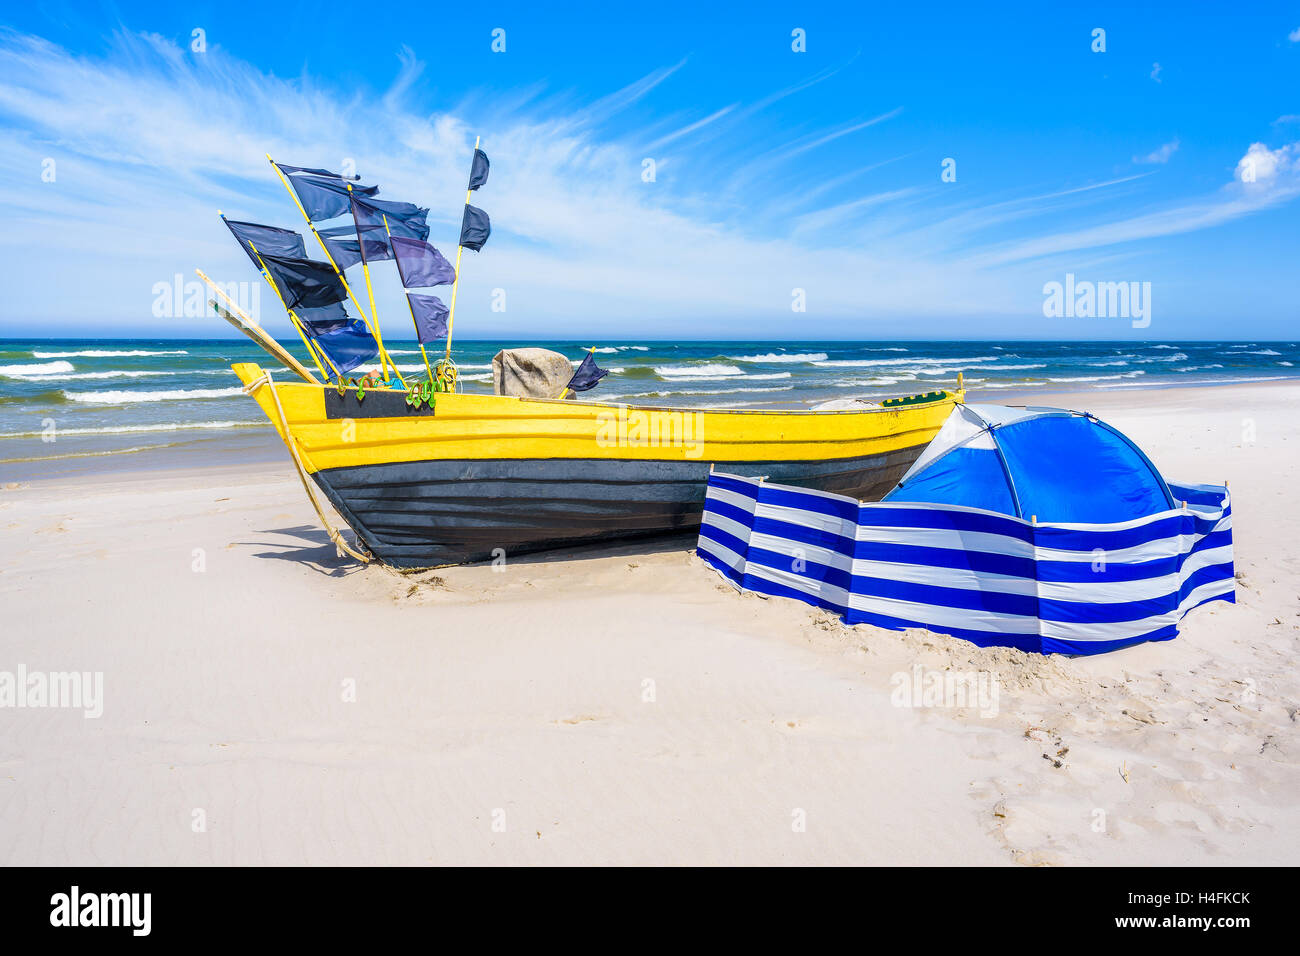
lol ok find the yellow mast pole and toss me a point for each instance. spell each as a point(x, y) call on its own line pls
point(455, 283)
point(384, 357)
point(370, 291)
point(409, 307)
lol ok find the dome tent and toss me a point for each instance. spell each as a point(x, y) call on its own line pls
point(1038, 528)
point(1044, 464)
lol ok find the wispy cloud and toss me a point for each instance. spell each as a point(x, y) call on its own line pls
point(149, 140)
point(1160, 155)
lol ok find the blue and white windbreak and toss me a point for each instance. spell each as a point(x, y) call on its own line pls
point(988, 578)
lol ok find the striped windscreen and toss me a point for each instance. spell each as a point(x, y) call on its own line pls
point(988, 578)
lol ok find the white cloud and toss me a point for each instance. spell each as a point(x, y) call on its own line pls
point(1276, 180)
point(1155, 72)
point(1294, 35)
point(1159, 156)
point(151, 140)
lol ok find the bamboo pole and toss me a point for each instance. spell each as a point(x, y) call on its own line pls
point(384, 356)
point(241, 321)
point(455, 283)
point(409, 307)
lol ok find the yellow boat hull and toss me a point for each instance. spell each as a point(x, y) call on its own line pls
point(484, 476)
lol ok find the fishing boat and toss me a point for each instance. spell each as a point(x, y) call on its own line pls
point(427, 475)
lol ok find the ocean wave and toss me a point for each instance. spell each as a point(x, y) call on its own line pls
point(915, 360)
point(1207, 381)
point(1176, 357)
point(1121, 362)
point(1096, 378)
point(122, 373)
point(720, 391)
point(124, 429)
point(1164, 346)
point(1009, 368)
point(708, 370)
point(776, 357)
point(872, 382)
point(27, 371)
point(1262, 352)
point(131, 398)
point(105, 353)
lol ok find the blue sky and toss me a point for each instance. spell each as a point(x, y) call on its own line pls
point(775, 170)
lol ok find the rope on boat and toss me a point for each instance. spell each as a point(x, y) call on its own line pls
point(340, 545)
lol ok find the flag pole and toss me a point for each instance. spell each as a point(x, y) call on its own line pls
point(384, 356)
point(370, 291)
point(455, 283)
point(293, 318)
point(410, 308)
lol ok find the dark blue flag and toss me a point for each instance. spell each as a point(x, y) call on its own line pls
point(379, 217)
point(290, 170)
point(420, 264)
point(322, 319)
point(324, 197)
point(587, 374)
point(478, 172)
point(269, 240)
point(346, 248)
point(430, 317)
point(348, 346)
point(475, 227)
point(305, 283)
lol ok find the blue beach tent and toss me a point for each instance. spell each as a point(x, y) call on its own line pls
point(1044, 463)
point(1035, 528)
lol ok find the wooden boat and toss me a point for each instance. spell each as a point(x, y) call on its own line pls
point(480, 476)
point(435, 476)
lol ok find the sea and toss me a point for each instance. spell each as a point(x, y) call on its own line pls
point(69, 406)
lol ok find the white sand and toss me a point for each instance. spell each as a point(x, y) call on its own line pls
point(517, 696)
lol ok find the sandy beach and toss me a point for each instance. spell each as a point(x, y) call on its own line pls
point(266, 702)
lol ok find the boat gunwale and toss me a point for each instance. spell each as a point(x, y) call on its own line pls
point(946, 396)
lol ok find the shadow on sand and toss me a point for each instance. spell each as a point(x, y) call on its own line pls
point(314, 548)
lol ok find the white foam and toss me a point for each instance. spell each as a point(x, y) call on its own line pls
point(27, 371)
point(698, 371)
point(776, 357)
point(78, 376)
point(915, 360)
point(132, 398)
point(121, 429)
point(105, 353)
